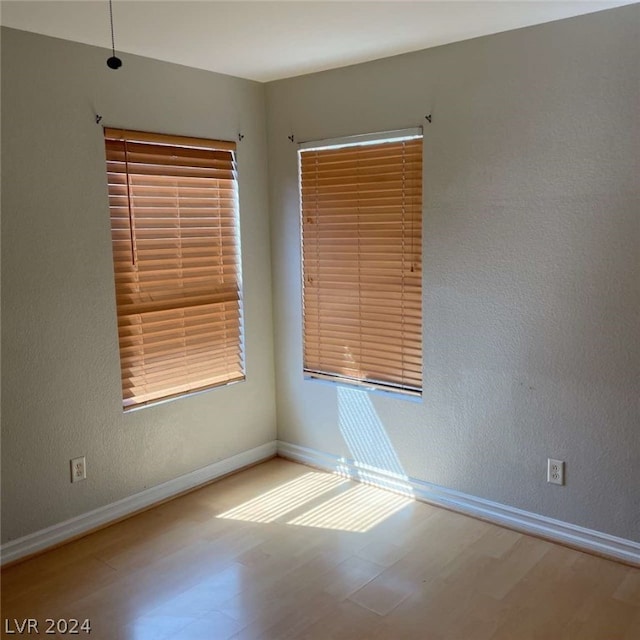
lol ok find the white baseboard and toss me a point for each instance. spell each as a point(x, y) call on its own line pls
point(579, 537)
point(58, 533)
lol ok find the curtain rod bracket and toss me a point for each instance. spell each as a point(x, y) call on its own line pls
point(240, 137)
point(291, 138)
point(428, 118)
point(98, 118)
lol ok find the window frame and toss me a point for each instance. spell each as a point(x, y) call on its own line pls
point(334, 378)
point(214, 218)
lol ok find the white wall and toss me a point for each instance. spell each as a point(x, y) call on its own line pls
point(60, 370)
point(531, 266)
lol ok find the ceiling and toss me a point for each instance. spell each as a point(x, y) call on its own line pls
point(267, 40)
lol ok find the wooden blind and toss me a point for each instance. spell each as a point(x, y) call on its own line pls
point(174, 223)
point(362, 263)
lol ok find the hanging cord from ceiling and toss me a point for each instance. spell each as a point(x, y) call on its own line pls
point(113, 62)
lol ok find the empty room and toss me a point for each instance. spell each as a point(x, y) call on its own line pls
point(320, 320)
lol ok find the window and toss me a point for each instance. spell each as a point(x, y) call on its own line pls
point(361, 208)
point(176, 252)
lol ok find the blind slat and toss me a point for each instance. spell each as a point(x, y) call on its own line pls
point(136, 397)
point(164, 139)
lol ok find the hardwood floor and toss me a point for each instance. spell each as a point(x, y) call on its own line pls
point(282, 551)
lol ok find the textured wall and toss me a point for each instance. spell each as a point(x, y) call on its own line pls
point(60, 368)
point(531, 266)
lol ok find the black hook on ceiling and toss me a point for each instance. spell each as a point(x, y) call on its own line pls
point(113, 62)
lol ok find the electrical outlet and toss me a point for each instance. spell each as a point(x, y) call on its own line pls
point(78, 469)
point(555, 471)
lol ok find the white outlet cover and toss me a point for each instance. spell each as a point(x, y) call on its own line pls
point(78, 469)
point(555, 471)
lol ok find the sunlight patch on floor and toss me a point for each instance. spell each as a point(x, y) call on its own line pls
point(358, 509)
point(274, 504)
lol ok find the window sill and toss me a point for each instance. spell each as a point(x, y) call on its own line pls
point(179, 396)
point(364, 386)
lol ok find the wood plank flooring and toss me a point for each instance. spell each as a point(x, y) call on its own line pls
point(282, 551)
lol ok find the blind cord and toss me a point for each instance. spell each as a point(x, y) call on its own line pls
point(132, 232)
